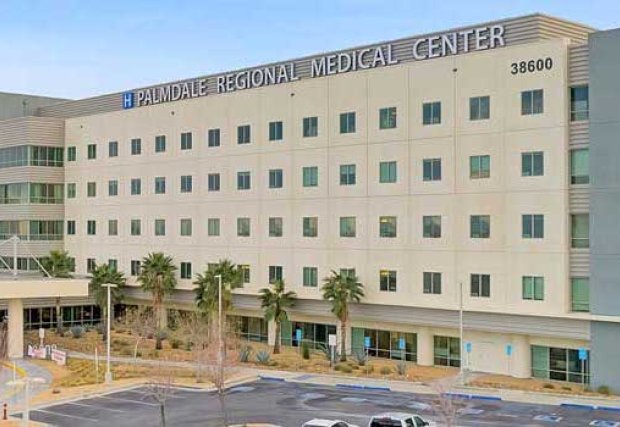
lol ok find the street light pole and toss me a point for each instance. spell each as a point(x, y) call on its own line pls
point(219, 318)
point(108, 373)
point(462, 344)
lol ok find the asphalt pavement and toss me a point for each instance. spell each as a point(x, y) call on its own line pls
point(291, 404)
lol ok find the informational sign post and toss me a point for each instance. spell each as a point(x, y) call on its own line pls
point(332, 341)
point(583, 357)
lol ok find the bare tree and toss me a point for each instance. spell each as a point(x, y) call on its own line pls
point(445, 404)
point(194, 329)
point(142, 324)
point(161, 386)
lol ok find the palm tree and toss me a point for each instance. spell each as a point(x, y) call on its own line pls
point(157, 276)
point(275, 303)
point(207, 289)
point(58, 264)
point(105, 274)
point(341, 290)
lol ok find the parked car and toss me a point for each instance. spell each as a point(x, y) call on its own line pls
point(318, 422)
point(398, 419)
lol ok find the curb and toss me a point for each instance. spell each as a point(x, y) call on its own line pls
point(271, 378)
point(363, 387)
point(9, 365)
point(590, 407)
point(472, 396)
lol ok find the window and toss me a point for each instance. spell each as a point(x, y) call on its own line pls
point(91, 189)
point(479, 108)
point(186, 184)
point(310, 176)
point(113, 187)
point(213, 226)
point(243, 181)
point(71, 154)
point(71, 227)
point(533, 226)
point(431, 226)
point(186, 227)
point(579, 166)
point(91, 227)
point(481, 285)
point(533, 288)
point(243, 227)
point(160, 227)
point(580, 294)
point(532, 102)
point(92, 151)
point(387, 280)
point(310, 277)
point(310, 127)
point(243, 134)
point(91, 265)
point(385, 344)
point(387, 226)
point(136, 227)
point(186, 270)
point(113, 264)
point(432, 283)
point(160, 185)
point(560, 364)
point(136, 146)
point(275, 178)
point(160, 144)
point(213, 138)
point(245, 273)
point(533, 163)
point(112, 227)
point(580, 230)
point(347, 226)
point(347, 174)
point(135, 267)
point(431, 113)
point(387, 172)
point(275, 131)
point(213, 182)
point(479, 167)
point(136, 186)
point(275, 227)
point(480, 226)
point(71, 190)
point(579, 103)
point(387, 118)
point(431, 170)
point(347, 122)
point(310, 226)
point(275, 273)
point(113, 149)
point(447, 351)
point(348, 272)
point(186, 141)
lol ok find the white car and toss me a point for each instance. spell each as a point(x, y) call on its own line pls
point(318, 422)
point(398, 419)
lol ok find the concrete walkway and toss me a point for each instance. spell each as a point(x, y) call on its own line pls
point(612, 402)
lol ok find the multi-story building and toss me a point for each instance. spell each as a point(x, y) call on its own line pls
point(444, 170)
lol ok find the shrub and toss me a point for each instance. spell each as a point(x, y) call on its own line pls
point(77, 331)
point(603, 389)
point(244, 353)
point(360, 357)
point(385, 370)
point(161, 334)
point(343, 367)
point(548, 386)
point(188, 346)
point(401, 368)
point(305, 351)
point(263, 357)
point(100, 329)
point(370, 368)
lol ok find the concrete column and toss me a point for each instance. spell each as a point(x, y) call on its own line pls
point(426, 347)
point(521, 359)
point(16, 329)
point(271, 333)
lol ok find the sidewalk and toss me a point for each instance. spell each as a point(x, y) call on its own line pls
point(23, 368)
point(519, 396)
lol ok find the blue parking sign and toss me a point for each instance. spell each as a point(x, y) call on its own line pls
point(468, 347)
point(401, 344)
point(367, 342)
point(508, 349)
point(583, 354)
point(298, 334)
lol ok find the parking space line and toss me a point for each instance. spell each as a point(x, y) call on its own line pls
point(86, 405)
point(60, 414)
point(128, 400)
point(146, 393)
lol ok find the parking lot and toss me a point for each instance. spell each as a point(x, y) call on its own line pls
point(291, 404)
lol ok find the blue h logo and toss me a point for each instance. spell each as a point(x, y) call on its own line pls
point(127, 100)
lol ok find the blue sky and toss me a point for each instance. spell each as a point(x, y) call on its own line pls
point(81, 48)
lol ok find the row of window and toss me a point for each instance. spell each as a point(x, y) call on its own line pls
point(32, 230)
point(532, 164)
point(532, 102)
point(30, 192)
point(31, 155)
point(532, 227)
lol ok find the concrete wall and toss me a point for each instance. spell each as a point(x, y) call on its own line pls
point(605, 203)
point(18, 105)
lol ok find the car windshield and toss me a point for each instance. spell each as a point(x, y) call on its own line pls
point(385, 422)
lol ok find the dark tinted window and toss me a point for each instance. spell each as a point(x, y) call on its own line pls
point(385, 422)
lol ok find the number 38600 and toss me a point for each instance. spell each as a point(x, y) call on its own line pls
point(531, 66)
